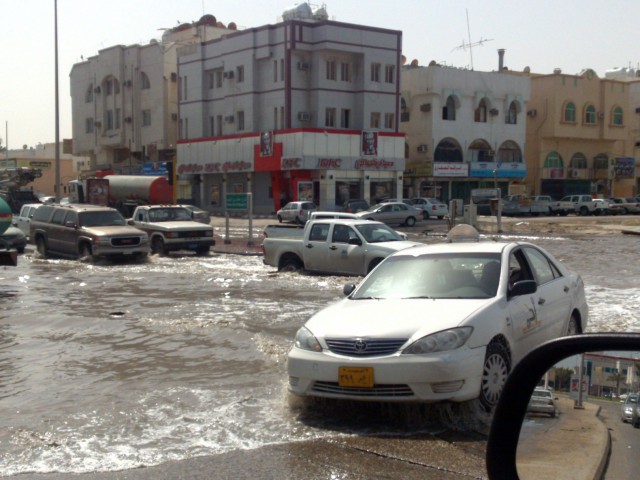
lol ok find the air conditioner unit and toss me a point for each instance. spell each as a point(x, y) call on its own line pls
point(229, 119)
point(423, 148)
point(573, 173)
point(128, 119)
point(600, 114)
point(491, 153)
point(494, 111)
point(304, 66)
point(174, 116)
point(425, 107)
point(532, 113)
point(97, 89)
point(228, 74)
point(128, 83)
point(304, 116)
point(174, 77)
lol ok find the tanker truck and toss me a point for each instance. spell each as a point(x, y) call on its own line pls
point(124, 192)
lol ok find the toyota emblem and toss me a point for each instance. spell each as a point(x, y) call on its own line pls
point(360, 345)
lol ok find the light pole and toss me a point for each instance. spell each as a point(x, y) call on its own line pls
point(57, 141)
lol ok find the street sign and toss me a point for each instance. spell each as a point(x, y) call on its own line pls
point(237, 201)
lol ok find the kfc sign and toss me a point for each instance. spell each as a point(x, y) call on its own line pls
point(291, 163)
point(329, 163)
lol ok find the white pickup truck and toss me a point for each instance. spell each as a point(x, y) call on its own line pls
point(171, 228)
point(578, 204)
point(347, 247)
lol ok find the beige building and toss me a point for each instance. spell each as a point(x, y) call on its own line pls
point(579, 136)
point(125, 99)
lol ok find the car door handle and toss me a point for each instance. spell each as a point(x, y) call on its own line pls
point(566, 289)
point(333, 247)
point(309, 245)
point(541, 301)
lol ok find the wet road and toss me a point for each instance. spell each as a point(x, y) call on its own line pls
point(109, 367)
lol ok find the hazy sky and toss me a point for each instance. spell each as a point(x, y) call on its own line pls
point(543, 34)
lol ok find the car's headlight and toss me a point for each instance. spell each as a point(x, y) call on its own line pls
point(306, 341)
point(102, 240)
point(440, 342)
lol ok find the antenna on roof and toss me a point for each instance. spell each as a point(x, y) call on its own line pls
point(470, 45)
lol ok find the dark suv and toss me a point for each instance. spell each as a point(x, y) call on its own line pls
point(85, 231)
point(354, 205)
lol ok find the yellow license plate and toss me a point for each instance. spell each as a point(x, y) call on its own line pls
point(355, 377)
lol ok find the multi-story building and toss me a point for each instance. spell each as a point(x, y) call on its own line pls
point(578, 135)
point(303, 109)
point(124, 100)
point(464, 130)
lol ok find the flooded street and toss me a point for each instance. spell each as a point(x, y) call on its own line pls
point(108, 367)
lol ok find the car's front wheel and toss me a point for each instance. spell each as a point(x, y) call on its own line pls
point(41, 246)
point(85, 252)
point(494, 374)
point(157, 246)
point(279, 219)
point(574, 326)
point(410, 221)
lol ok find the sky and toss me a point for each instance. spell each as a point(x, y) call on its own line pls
point(543, 34)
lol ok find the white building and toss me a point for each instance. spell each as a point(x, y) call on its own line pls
point(465, 130)
point(124, 100)
point(304, 109)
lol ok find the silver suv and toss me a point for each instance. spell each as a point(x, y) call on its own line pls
point(86, 231)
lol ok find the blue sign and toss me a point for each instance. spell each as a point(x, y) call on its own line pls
point(498, 170)
point(155, 169)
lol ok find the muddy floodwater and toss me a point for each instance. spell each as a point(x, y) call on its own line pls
point(113, 366)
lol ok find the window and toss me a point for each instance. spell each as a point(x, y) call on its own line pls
point(212, 125)
point(617, 118)
point(211, 80)
point(389, 120)
point(331, 70)
point(108, 119)
point(512, 114)
point(281, 117)
point(375, 72)
point(330, 117)
point(601, 162)
point(146, 118)
point(449, 110)
point(569, 113)
point(345, 117)
point(218, 125)
point(108, 87)
point(480, 114)
point(240, 73)
point(389, 73)
point(116, 119)
point(275, 70)
point(219, 79)
point(88, 125)
point(144, 81)
point(275, 118)
point(578, 161)
point(345, 72)
point(240, 120)
point(375, 120)
point(590, 115)
point(282, 69)
point(543, 269)
point(88, 97)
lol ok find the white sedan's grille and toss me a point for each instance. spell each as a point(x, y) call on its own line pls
point(364, 347)
point(380, 391)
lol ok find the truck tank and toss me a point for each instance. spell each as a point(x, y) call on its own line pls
point(153, 190)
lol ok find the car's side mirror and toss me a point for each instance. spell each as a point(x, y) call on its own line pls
point(510, 411)
point(355, 241)
point(523, 287)
point(70, 224)
point(348, 289)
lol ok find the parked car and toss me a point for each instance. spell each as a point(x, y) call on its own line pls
point(13, 237)
point(540, 204)
point(354, 205)
point(635, 415)
point(23, 219)
point(427, 324)
point(626, 410)
point(198, 214)
point(392, 213)
point(431, 207)
point(297, 212)
point(542, 401)
point(625, 205)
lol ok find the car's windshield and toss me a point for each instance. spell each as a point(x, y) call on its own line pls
point(375, 233)
point(170, 214)
point(459, 275)
point(632, 399)
point(542, 393)
point(101, 219)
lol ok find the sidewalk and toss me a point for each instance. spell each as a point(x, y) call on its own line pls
point(237, 246)
point(577, 446)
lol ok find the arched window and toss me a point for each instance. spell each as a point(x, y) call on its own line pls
point(553, 160)
point(448, 150)
point(590, 115)
point(449, 110)
point(617, 117)
point(480, 151)
point(509, 152)
point(480, 114)
point(578, 161)
point(512, 114)
point(569, 112)
point(601, 162)
point(88, 97)
point(144, 81)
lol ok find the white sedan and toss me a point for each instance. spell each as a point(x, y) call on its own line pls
point(437, 323)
